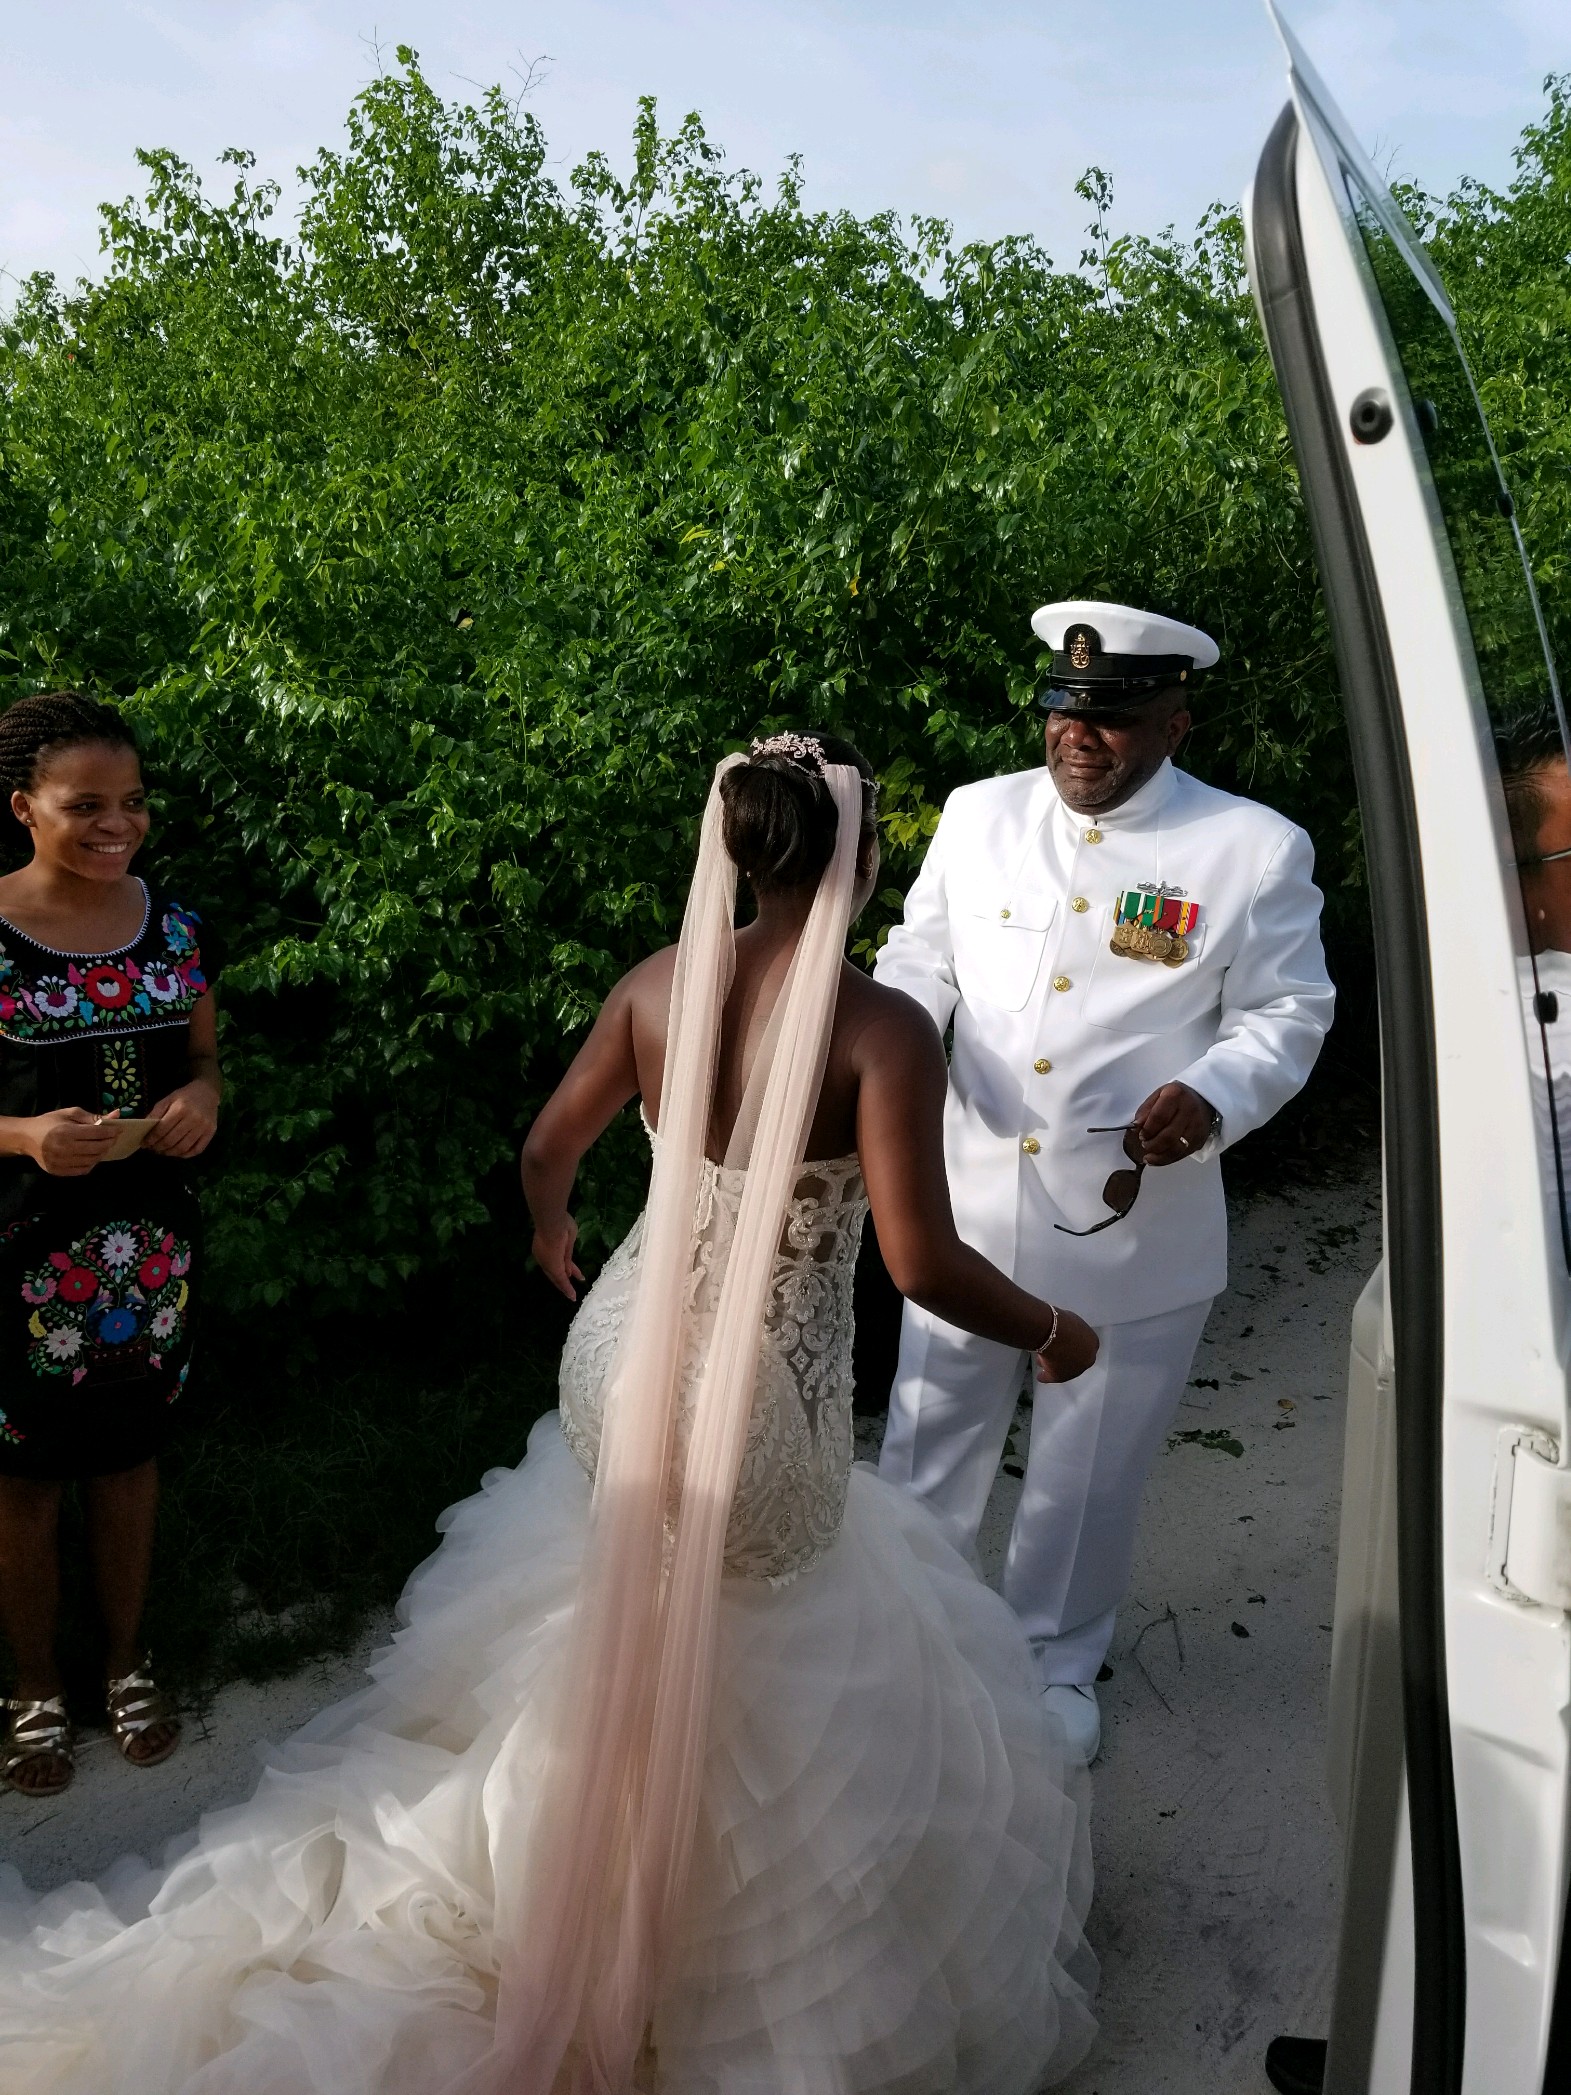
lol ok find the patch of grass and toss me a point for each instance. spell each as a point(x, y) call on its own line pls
point(1217, 1439)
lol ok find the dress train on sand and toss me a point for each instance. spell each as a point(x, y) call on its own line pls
point(892, 1862)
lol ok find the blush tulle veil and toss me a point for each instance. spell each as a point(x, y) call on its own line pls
point(580, 1949)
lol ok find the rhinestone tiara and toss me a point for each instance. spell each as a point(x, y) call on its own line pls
point(802, 749)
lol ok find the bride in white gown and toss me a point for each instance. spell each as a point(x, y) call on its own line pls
point(701, 1762)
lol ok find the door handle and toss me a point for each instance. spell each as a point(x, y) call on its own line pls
point(1530, 1519)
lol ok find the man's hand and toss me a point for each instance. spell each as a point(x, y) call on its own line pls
point(184, 1122)
point(1174, 1122)
point(553, 1250)
point(68, 1143)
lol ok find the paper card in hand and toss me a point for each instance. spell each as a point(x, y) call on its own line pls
point(129, 1136)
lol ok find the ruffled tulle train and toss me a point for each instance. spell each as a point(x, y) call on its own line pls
point(891, 1870)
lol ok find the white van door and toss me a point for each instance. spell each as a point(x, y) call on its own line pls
point(1453, 1664)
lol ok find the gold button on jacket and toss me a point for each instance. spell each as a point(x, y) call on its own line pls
point(1093, 836)
point(1080, 905)
point(1030, 1145)
point(1041, 1065)
point(1062, 982)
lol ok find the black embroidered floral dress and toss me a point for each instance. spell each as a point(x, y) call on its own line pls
point(97, 1274)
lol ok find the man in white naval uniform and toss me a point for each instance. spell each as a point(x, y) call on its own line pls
point(1131, 962)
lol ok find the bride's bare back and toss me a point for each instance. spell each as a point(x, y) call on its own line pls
point(761, 964)
point(882, 1097)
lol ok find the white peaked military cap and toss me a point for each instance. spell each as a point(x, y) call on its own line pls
point(1107, 657)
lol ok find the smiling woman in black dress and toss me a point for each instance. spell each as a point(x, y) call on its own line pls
point(105, 1015)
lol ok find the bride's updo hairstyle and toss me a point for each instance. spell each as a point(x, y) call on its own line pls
point(780, 819)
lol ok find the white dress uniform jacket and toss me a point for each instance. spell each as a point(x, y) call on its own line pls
point(1006, 934)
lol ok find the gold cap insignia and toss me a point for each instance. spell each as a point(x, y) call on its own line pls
point(1079, 649)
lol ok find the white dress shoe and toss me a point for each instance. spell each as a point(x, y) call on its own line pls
point(1076, 1709)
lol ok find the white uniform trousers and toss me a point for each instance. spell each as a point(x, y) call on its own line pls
point(1093, 1441)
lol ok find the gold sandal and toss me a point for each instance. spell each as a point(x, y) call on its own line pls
point(136, 1704)
point(36, 1731)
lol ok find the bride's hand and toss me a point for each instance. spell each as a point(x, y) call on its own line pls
point(1074, 1349)
point(553, 1250)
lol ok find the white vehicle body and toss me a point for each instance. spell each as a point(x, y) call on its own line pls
point(1451, 1672)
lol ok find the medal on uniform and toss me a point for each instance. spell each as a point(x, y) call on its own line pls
point(1153, 923)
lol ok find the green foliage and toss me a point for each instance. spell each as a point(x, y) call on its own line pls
point(441, 552)
point(1506, 260)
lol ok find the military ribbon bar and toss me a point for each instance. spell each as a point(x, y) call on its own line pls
point(1157, 911)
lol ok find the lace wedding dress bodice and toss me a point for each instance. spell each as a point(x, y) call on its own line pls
point(791, 1493)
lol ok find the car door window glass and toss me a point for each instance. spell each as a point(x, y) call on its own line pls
point(1500, 604)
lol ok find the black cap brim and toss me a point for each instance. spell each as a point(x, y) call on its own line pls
point(1127, 695)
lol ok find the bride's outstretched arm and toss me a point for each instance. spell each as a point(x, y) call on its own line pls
point(600, 1080)
point(900, 1140)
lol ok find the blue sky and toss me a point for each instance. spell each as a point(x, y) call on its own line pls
point(982, 113)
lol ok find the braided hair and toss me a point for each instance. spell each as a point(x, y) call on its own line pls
point(780, 818)
point(34, 729)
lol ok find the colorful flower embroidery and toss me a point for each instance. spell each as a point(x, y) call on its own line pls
point(116, 1287)
point(163, 984)
point(179, 928)
point(108, 986)
point(120, 1073)
point(102, 996)
point(51, 997)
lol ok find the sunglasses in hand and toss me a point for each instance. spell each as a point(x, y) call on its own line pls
point(1122, 1188)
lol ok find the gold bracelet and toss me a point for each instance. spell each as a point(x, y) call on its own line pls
point(1046, 1344)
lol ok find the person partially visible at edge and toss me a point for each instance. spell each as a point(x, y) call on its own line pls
point(105, 1017)
point(1131, 962)
point(1537, 785)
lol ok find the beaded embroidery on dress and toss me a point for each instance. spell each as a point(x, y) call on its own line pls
point(791, 1494)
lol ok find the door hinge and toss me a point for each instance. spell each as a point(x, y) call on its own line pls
point(1530, 1521)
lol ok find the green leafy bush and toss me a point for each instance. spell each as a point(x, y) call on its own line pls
point(440, 552)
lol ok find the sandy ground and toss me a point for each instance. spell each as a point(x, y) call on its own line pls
point(113, 1809)
point(1215, 1854)
point(1216, 1857)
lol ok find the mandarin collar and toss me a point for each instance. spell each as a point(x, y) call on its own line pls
point(1134, 813)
